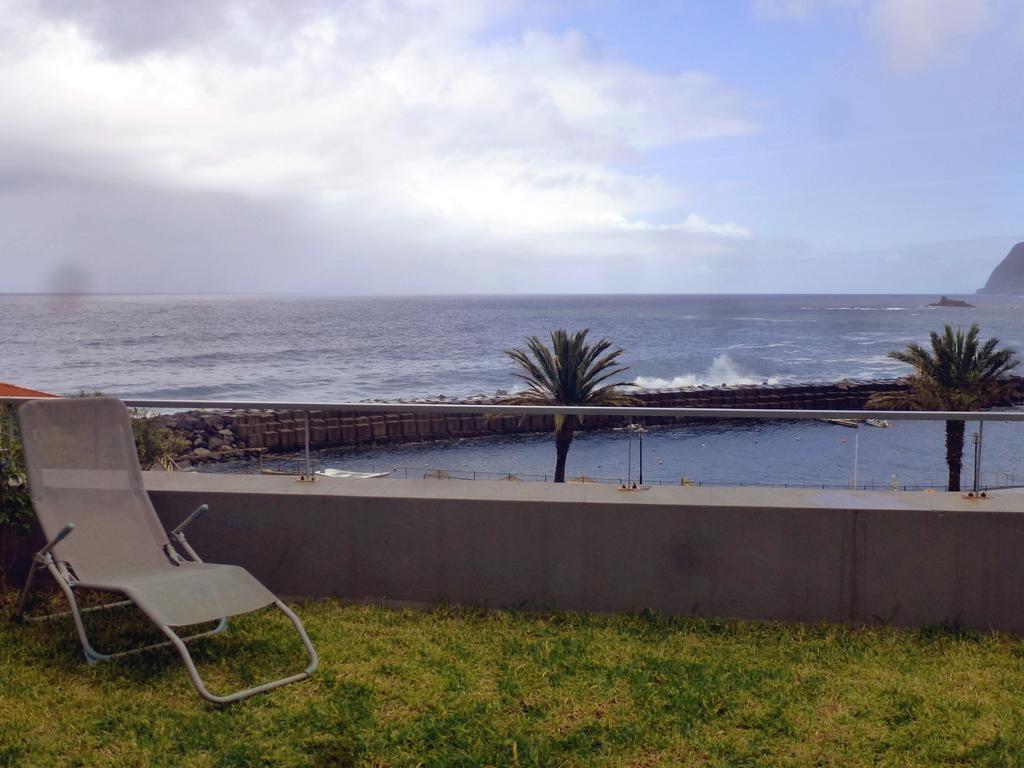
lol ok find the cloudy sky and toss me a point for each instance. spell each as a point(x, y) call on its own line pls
point(409, 146)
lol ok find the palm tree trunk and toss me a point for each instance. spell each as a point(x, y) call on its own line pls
point(563, 439)
point(954, 452)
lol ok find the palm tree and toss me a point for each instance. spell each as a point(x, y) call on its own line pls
point(569, 372)
point(959, 373)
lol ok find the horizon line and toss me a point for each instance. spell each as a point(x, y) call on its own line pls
point(481, 294)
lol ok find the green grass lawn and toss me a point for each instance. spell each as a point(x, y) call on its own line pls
point(467, 688)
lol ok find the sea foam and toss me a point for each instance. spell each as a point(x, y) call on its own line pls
point(723, 370)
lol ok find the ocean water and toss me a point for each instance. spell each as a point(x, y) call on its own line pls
point(336, 349)
point(355, 348)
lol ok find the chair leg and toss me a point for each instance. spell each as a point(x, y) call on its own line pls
point(90, 609)
point(19, 616)
point(19, 613)
point(92, 656)
point(222, 626)
point(200, 686)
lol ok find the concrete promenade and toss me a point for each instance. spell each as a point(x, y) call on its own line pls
point(904, 558)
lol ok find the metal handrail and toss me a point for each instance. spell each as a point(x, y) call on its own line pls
point(568, 410)
point(554, 410)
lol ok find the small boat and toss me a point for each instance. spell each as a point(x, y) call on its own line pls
point(880, 423)
point(844, 422)
point(338, 474)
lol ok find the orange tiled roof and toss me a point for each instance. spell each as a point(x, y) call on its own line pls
point(10, 390)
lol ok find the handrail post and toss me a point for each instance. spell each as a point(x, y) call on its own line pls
point(981, 446)
point(978, 436)
point(308, 476)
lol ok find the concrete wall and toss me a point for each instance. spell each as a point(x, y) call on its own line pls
point(796, 555)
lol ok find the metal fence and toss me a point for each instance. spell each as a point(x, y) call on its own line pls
point(295, 465)
point(305, 465)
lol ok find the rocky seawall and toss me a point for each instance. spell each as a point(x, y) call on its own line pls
point(222, 435)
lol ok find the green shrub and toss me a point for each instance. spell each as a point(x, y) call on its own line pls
point(15, 505)
point(154, 441)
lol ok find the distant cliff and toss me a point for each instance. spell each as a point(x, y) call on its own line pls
point(1008, 277)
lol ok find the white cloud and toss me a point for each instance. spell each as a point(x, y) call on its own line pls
point(917, 33)
point(694, 224)
point(914, 33)
point(394, 114)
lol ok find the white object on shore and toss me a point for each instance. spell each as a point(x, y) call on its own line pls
point(843, 422)
point(345, 473)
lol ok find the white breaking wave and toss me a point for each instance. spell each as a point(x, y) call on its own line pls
point(771, 319)
point(859, 309)
point(723, 370)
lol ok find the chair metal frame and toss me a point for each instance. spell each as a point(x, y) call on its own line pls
point(66, 580)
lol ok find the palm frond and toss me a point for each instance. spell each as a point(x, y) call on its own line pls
point(958, 373)
point(570, 371)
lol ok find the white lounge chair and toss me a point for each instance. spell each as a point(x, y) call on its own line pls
point(103, 534)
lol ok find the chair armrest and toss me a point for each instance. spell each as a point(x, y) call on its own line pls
point(199, 512)
point(63, 534)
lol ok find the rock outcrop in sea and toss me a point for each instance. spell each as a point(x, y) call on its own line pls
point(945, 301)
point(1007, 279)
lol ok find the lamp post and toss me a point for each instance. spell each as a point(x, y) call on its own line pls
point(639, 429)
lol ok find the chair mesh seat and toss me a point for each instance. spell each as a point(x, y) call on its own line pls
point(190, 593)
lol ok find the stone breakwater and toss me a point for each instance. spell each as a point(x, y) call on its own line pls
point(221, 435)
